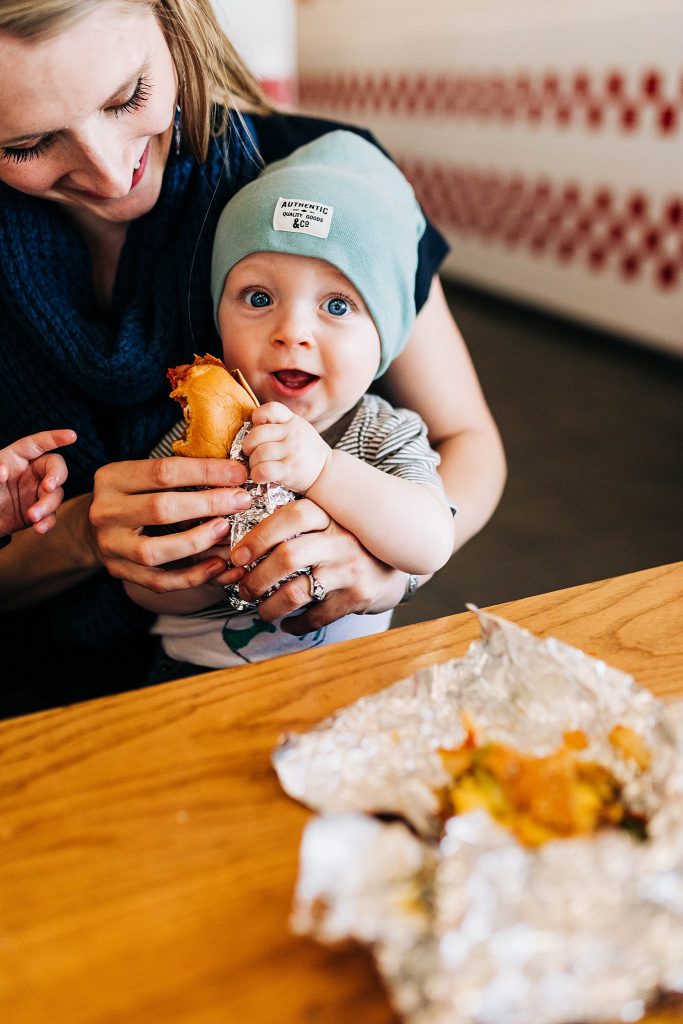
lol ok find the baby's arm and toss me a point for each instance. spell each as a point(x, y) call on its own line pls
point(406, 524)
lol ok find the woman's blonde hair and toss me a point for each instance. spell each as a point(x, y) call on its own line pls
point(212, 77)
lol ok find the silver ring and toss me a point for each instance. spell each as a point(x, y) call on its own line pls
point(318, 591)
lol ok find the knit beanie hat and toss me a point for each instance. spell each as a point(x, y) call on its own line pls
point(337, 199)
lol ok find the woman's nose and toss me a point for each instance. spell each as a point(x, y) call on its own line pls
point(101, 166)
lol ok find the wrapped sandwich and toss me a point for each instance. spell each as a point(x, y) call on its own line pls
point(217, 406)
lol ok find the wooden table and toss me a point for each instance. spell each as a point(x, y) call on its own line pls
point(148, 855)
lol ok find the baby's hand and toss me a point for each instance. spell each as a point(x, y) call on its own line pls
point(284, 449)
point(31, 481)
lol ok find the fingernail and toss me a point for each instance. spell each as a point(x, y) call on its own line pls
point(221, 527)
point(241, 556)
point(215, 568)
point(242, 500)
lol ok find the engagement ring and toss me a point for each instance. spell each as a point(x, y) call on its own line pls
point(318, 592)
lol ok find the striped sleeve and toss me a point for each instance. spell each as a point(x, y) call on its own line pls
point(392, 440)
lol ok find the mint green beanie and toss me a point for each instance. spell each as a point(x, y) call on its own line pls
point(341, 200)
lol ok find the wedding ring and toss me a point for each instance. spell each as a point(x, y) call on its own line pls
point(318, 592)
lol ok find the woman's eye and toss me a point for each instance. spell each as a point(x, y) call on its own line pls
point(137, 99)
point(18, 156)
point(257, 299)
point(337, 307)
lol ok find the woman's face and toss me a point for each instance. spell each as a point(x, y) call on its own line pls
point(86, 115)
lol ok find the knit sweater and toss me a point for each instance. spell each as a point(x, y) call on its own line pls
point(66, 363)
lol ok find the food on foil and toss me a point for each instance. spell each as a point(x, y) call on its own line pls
point(541, 797)
point(468, 921)
point(215, 403)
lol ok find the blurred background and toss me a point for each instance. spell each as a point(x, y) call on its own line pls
point(545, 139)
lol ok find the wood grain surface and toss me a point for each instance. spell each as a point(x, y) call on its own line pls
point(148, 855)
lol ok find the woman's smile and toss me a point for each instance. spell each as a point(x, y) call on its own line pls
point(93, 133)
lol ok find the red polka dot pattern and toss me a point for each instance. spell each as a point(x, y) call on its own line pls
point(627, 102)
point(630, 235)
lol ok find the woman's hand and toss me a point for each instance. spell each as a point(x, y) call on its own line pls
point(31, 481)
point(296, 536)
point(129, 496)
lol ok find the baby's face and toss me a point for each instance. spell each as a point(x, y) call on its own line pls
point(300, 333)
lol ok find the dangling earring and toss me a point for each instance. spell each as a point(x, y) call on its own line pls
point(177, 134)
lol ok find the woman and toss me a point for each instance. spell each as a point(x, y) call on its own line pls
point(115, 120)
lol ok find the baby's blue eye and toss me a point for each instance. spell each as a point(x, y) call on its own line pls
point(337, 307)
point(258, 299)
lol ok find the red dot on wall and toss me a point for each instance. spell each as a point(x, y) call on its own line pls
point(566, 249)
point(651, 240)
point(674, 212)
point(538, 242)
point(667, 119)
point(668, 274)
point(597, 257)
point(615, 83)
point(637, 205)
point(551, 83)
point(581, 83)
point(651, 84)
point(594, 115)
point(616, 232)
point(629, 117)
point(602, 200)
point(630, 265)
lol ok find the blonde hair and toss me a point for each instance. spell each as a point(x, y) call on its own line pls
point(212, 77)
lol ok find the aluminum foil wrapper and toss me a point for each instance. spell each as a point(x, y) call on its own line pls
point(467, 925)
point(265, 498)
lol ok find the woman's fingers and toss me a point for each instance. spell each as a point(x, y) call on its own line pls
point(154, 475)
point(163, 508)
point(163, 581)
point(296, 517)
point(122, 549)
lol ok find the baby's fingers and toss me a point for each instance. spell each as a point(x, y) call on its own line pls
point(264, 434)
point(54, 470)
point(271, 412)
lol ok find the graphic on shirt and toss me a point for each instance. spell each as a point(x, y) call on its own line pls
point(251, 639)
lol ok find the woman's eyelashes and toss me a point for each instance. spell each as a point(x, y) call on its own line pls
point(137, 99)
point(19, 154)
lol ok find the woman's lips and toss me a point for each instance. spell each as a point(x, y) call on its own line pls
point(293, 382)
point(140, 169)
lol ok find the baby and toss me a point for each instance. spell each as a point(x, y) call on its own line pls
point(313, 287)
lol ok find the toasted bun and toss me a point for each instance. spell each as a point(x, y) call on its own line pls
point(216, 403)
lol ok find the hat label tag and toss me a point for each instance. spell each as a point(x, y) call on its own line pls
point(303, 217)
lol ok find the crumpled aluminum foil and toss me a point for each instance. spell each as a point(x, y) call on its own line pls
point(468, 926)
point(265, 499)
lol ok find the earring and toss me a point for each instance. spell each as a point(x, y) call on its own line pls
point(177, 134)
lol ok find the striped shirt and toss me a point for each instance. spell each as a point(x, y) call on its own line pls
point(393, 441)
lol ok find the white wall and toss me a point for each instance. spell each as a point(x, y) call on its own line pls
point(545, 137)
point(264, 33)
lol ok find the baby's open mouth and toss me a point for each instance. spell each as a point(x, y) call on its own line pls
point(294, 380)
